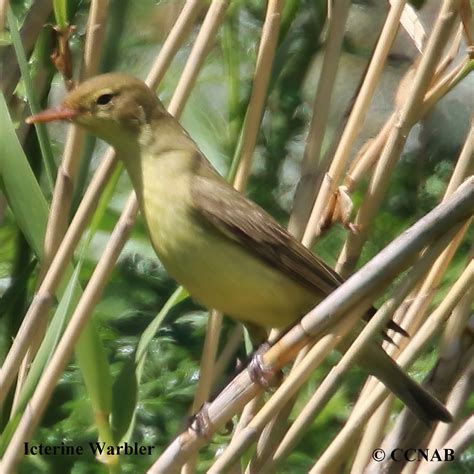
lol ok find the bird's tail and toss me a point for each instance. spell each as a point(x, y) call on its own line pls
point(424, 405)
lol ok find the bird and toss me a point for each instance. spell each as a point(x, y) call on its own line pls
point(228, 252)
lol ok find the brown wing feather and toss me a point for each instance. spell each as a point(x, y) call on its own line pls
point(243, 221)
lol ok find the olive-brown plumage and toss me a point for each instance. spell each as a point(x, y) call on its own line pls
point(224, 249)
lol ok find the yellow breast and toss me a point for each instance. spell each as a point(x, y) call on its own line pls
point(215, 269)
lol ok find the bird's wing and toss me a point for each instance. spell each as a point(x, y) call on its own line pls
point(241, 220)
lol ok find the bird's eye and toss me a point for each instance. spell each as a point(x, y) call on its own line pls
point(104, 99)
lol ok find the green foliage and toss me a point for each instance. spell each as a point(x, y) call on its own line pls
point(61, 13)
point(20, 186)
point(149, 338)
point(43, 139)
point(125, 397)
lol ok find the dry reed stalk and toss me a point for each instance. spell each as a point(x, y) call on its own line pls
point(265, 56)
point(332, 382)
point(413, 26)
point(397, 138)
point(450, 54)
point(53, 371)
point(355, 122)
point(457, 400)
point(458, 443)
point(249, 411)
point(322, 319)
point(310, 167)
point(60, 208)
point(299, 374)
point(62, 197)
point(455, 356)
point(467, 21)
point(173, 41)
point(343, 443)
point(262, 73)
point(313, 146)
point(3, 14)
point(206, 370)
point(208, 361)
point(421, 300)
point(92, 292)
point(370, 153)
point(44, 297)
point(270, 437)
point(367, 156)
point(372, 435)
point(416, 311)
point(204, 40)
point(464, 165)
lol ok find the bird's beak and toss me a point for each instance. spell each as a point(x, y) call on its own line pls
point(55, 113)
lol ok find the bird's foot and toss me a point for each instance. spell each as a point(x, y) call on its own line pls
point(259, 373)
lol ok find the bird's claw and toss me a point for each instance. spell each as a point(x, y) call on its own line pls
point(259, 373)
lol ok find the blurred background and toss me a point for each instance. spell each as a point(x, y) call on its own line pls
point(214, 114)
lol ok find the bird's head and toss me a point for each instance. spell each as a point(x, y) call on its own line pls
point(111, 106)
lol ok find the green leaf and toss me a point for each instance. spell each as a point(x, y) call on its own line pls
point(125, 394)
point(22, 191)
point(179, 295)
point(43, 138)
point(30, 209)
point(146, 340)
point(48, 345)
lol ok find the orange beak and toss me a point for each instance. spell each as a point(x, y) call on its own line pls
point(55, 113)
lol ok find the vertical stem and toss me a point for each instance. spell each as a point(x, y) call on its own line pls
point(263, 69)
point(305, 192)
point(355, 121)
point(397, 138)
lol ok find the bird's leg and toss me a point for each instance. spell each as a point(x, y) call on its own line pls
point(259, 373)
point(263, 340)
